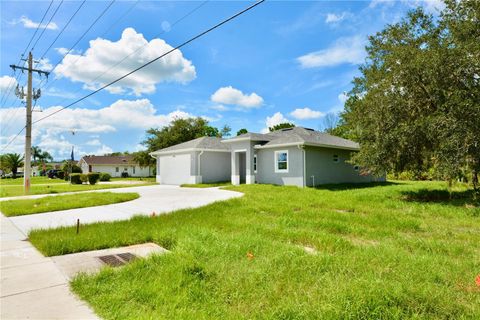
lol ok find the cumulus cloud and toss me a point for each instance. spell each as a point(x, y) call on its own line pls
point(275, 119)
point(103, 54)
point(335, 18)
point(7, 82)
point(306, 113)
point(230, 95)
point(29, 24)
point(342, 97)
point(345, 50)
point(122, 115)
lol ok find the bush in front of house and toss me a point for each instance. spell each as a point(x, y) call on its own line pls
point(75, 178)
point(105, 176)
point(124, 174)
point(93, 177)
point(60, 174)
point(83, 177)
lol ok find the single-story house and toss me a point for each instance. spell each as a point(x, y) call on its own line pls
point(293, 156)
point(113, 165)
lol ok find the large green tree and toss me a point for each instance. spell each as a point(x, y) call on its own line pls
point(178, 131)
point(416, 104)
point(283, 125)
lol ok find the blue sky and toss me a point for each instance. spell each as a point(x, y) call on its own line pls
point(282, 61)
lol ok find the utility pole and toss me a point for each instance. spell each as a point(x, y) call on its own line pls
point(31, 94)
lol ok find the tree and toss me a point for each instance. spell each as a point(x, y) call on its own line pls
point(178, 131)
point(36, 153)
point(225, 131)
point(12, 161)
point(144, 159)
point(330, 122)
point(416, 104)
point(242, 131)
point(279, 126)
point(45, 156)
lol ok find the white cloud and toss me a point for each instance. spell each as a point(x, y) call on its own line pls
point(7, 82)
point(306, 113)
point(53, 133)
point(375, 3)
point(44, 64)
point(29, 24)
point(103, 54)
point(342, 97)
point(430, 6)
point(335, 18)
point(275, 119)
point(219, 107)
point(230, 95)
point(345, 50)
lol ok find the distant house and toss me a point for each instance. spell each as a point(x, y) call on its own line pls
point(113, 165)
point(292, 156)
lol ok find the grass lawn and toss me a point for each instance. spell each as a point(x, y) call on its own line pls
point(33, 180)
point(12, 208)
point(388, 251)
point(145, 179)
point(207, 185)
point(17, 190)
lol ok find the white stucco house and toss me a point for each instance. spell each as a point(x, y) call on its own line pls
point(113, 165)
point(293, 156)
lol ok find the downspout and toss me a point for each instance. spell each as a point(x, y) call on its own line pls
point(198, 163)
point(156, 164)
point(301, 147)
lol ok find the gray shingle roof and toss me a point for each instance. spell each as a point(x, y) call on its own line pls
point(114, 160)
point(298, 135)
point(204, 143)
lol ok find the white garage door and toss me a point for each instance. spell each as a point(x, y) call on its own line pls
point(175, 169)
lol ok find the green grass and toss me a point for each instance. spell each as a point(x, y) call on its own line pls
point(380, 252)
point(17, 190)
point(33, 180)
point(12, 208)
point(206, 185)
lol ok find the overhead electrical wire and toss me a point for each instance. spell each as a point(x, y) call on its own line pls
point(155, 59)
point(47, 24)
point(134, 52)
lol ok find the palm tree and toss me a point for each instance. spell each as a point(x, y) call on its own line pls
point(45, 156)
point(13, 161)
point(36, 153)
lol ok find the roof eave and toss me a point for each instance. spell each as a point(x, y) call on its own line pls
point(292, 144)
point(159, 152)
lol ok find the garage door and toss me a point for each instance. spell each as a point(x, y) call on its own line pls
point(175, 169)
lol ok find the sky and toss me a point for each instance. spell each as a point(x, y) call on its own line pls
point(280, 62)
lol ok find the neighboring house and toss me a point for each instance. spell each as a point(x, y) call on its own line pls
point(293, 156)
point(113, 165)
point(201, 160)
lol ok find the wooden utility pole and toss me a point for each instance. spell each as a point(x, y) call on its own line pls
point(28, 127)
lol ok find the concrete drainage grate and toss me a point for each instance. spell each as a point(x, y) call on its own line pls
point(117, 260)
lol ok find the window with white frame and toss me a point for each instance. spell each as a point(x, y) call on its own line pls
point(281, 161)
point(116, 169)
point(255, 163)
point(133, 170)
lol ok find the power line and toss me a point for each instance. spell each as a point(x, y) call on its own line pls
point(13, 139)
point(63, 29)
point(138, 49)
point(8, 92)
point(83, 35)
point(157, 58)
point(46, 25)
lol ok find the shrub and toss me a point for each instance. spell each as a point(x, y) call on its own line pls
point(124, 174)
point(93, 177)
point(83, 177)
point(60, 174)
point(75, 178)
point(105, 176)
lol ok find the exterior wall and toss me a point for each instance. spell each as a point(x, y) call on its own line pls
point(214, 166)
point(321, 169)
point(111, 169)
point(266, 167)
point(84, 166)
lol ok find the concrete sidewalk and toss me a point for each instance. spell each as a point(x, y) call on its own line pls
point(32, 287)
point(154, 198)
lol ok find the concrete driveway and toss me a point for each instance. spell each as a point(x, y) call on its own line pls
point(154, 198)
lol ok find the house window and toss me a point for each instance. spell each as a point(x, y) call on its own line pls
point(255, 163)
point(133, 170)
point(116, 169)
point(335, 158)
point(125, 169)
point(281, 161)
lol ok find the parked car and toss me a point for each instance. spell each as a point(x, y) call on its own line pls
point(10, 175)
point(53, 173)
